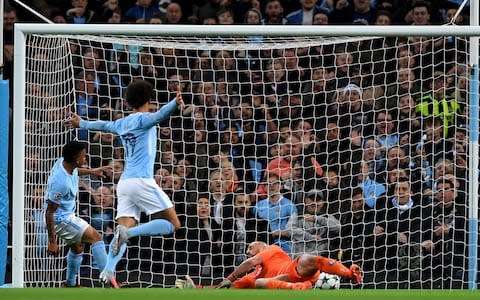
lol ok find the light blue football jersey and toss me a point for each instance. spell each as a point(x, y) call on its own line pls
point(62, 189)
point(138, 133)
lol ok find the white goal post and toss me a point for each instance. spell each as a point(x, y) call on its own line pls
point(219, 37)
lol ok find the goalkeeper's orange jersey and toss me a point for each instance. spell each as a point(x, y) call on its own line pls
point(275, 262)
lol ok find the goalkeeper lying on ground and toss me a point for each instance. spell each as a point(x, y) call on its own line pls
point(274, 269)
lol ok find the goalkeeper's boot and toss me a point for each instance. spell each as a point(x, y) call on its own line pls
point(108, 277)
point(356, 274)
point(186, 283)
point(120, 237)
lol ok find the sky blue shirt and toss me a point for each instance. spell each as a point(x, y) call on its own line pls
point(277, 214)
point(138, 133)
point(62, 189)
point(371, 191)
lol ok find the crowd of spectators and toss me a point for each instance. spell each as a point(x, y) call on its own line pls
point(353, 149)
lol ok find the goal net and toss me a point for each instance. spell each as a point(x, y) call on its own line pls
point(367, 138)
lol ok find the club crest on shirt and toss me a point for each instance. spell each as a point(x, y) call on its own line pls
point(58, 196)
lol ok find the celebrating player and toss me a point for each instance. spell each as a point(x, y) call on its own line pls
point(274, 269)
point(137, 190)
point(60, 218)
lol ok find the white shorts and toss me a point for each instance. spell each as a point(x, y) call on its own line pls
point(71, 229)
point(137, 195)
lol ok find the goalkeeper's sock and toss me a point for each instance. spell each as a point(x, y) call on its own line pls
point(274, 284)
point(112, 260)
point(73, 267)
point(99, 254)
point(152, 228)
point(332, 266)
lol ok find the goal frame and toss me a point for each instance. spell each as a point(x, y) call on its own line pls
point(21, 30)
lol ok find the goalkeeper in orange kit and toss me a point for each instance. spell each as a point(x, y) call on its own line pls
point(274, 269)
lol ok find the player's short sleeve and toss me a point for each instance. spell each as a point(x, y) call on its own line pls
point(56, 192)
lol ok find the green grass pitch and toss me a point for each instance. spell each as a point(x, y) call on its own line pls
point(212, 294)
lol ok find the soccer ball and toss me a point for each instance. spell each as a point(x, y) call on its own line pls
point(328, 282)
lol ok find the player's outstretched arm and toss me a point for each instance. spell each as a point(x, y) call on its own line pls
point(73, 121)
point(179, 98)
point(245, 267)
point(99, 172)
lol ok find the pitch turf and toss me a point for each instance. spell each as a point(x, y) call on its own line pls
point(211, 294)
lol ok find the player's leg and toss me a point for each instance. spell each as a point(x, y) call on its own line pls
point(281, 282)
point(93, 237)
point(71, 230)
point(310, 264)
point(74, 260)
point(152, 200)
point(117, 247)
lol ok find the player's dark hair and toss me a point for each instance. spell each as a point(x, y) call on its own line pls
point(71, 150)
point(139, 92)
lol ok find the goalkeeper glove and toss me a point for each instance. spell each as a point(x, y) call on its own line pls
point(227, 282)
point(186, 283)
point(356, 274)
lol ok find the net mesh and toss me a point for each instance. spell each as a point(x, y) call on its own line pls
point(367, 138)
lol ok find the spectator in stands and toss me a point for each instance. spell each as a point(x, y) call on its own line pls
point(185, 170)
point(434, 142)
point(331, 146)
point(274, 13)
point(79, 13)
point(87, 100)
point(173, 14)
point(409, 120)
point(405, 84)
point(437, 103)
point(222, 220)
point(253, 17)
point(106, 11)
point(374, 155)
point(247, 227)
point(421, 13)
point(164, 179)
point(200, 241)
point(372, 190)
point(357, 239)
point(278, 210)
point(155, 19)
point(422, 171)
point(356, 116)
point(333, 184)
point(360, 11)
point(149, 72)
point(320, 18)
point(101, 211)
point(385, 129)
point(225, 17)
point(142, 11)
point(383, 17)
point(399, 238)
point(113, 173)
point(102, 147)
point(446, 230)
point(304, 16)
point(315, 229)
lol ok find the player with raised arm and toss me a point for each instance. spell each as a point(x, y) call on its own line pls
point(60, 218)
point(137, 190)
point(274, 269)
